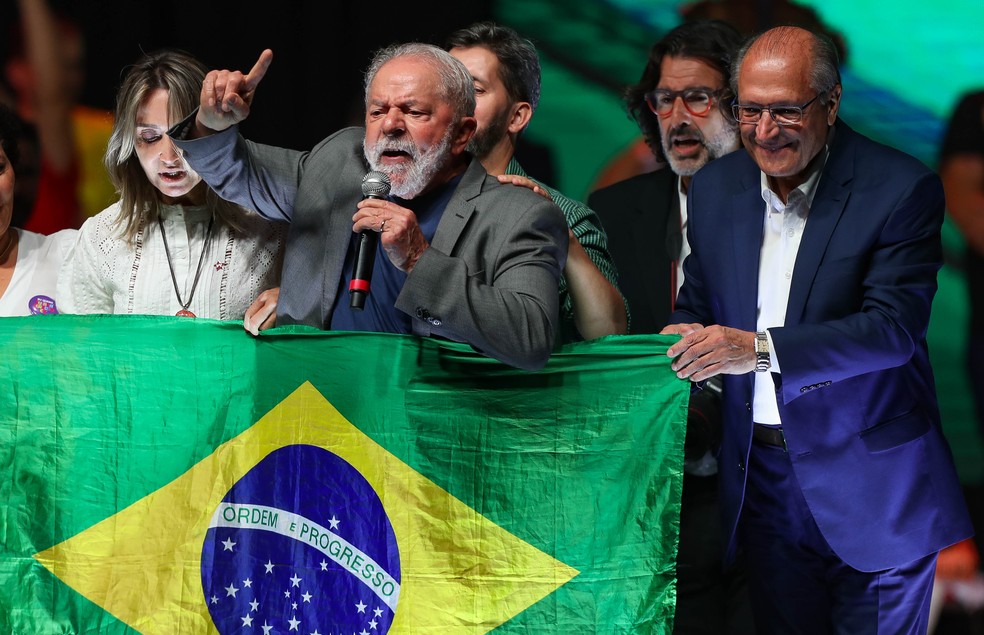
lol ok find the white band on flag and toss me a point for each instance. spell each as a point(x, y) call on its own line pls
point(297, 527)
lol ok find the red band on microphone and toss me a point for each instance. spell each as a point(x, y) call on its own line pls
point(359, 285)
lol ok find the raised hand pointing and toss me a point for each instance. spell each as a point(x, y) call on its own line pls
point(227, 95)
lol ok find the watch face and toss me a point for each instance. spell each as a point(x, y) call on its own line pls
point(762, 358)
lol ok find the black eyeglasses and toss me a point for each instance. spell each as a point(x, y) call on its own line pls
point(782, 115)
point(697, 101)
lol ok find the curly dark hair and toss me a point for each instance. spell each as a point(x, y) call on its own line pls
point(712, 41)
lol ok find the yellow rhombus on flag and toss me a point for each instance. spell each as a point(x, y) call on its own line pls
point(161, 475)
point(461, 572)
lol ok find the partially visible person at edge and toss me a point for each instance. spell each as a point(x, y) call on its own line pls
point(42, 79)
point(170, 245)
point(506, 72)
point(29, 262)
point(462, 256)
point(809, 289)
point(962, 171)
point(682, 104)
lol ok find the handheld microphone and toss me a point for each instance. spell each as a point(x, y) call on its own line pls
point(374, 185)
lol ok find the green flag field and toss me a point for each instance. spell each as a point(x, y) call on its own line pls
point(166, 475)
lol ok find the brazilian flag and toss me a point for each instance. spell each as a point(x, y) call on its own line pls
point(166, 475)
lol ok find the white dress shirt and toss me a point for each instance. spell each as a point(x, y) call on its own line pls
point(685, 245)
point(782, 232)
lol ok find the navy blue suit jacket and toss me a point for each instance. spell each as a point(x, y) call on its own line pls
point(856, 393)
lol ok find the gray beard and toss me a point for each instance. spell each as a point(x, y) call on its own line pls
point(716, 146)
point(409, 179)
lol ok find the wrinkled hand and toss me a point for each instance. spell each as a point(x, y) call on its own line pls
point(681, 329)
point(398, 231)
point(262, 314)
point(715, 350)
point(526, 182)
point(227, 95)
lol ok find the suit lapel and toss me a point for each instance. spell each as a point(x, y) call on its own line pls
point(828, 206)
point(647, 224)
point(460, 209)
point(747, 214)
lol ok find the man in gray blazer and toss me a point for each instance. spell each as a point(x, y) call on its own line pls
point(466, 258)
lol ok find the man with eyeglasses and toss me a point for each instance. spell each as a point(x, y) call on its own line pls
point(814, 263)
point(682, 105)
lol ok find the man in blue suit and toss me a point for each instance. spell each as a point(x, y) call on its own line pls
point(815, 254)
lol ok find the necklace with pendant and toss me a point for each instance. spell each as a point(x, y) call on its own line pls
point(184, 312)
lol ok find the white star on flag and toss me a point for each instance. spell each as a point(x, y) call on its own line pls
point(294, 623)
point(254, 606)
point(307, 596)
point(295, 581)
point(324, 565)
point(247, 621)
point(361, 607)
point(231, 590)
point(333, 523)
point(228, 544)
point(266, 628)
point(377, 612)
point(269, 569)
point(247, 583)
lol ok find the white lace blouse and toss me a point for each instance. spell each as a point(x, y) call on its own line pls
point(107, 274)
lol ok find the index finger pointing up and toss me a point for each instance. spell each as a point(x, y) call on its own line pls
point(259, 69)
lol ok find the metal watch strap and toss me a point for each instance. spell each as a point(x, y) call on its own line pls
point(763, 359)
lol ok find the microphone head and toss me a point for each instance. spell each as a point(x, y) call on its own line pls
point(375, 184)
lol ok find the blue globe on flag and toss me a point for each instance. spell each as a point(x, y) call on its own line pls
point(301, 544)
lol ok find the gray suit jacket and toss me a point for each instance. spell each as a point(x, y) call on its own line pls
point(489, 277)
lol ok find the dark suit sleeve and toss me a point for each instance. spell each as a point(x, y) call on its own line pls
point(510, 311)
point(257, 177)
point(691, 303)
point(876, 302)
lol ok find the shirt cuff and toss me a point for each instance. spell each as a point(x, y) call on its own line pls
point(774, 358)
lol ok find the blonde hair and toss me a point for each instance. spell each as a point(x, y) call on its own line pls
point(181, 75)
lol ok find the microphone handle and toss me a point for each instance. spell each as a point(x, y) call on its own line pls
point(365, 258)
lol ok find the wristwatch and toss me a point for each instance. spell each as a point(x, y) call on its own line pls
point(763, 359)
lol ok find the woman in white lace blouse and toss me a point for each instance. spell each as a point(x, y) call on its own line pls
point(170, 246)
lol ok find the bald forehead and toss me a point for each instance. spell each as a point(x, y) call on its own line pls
point(788, 45)
point(781, 56)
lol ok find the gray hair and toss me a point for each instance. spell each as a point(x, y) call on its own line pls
point(456, 84)
point(825, 71)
